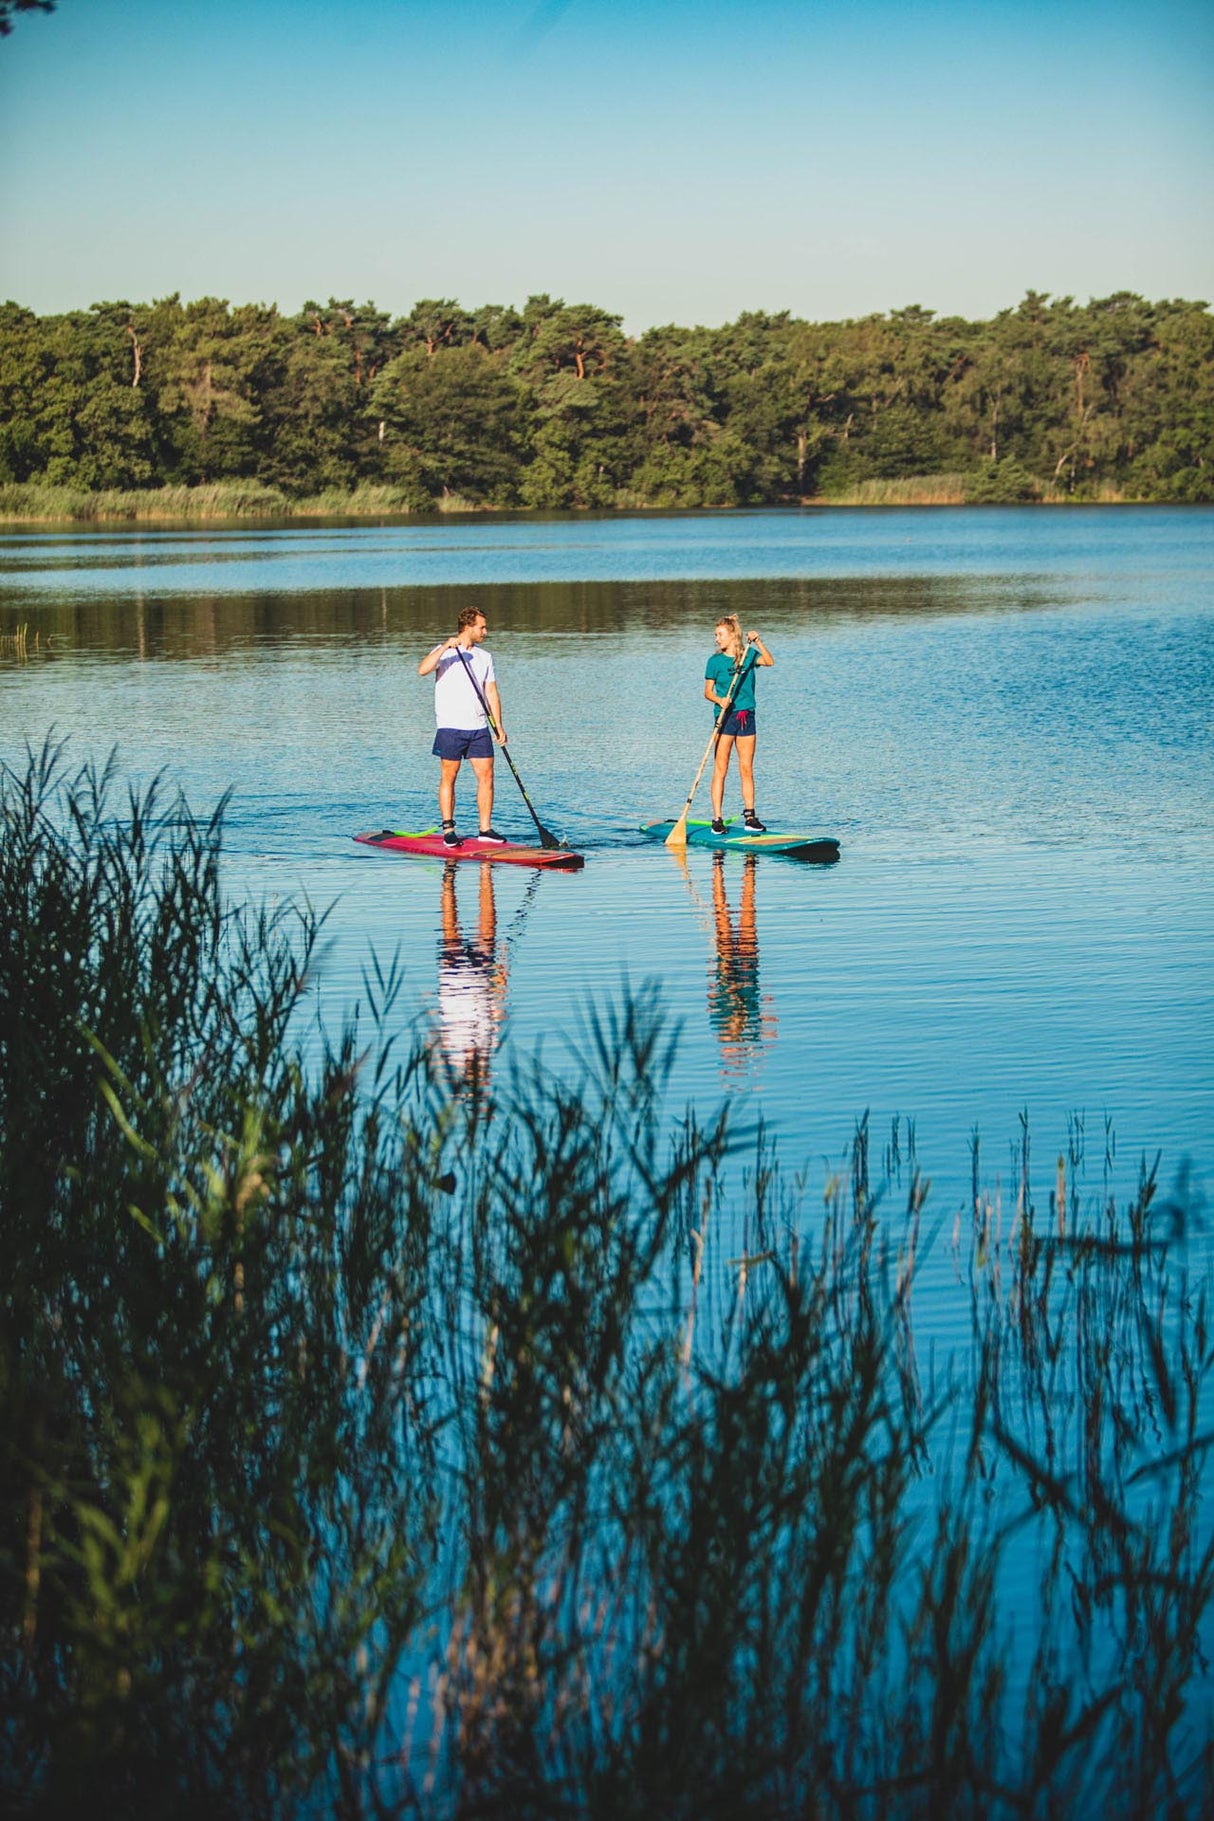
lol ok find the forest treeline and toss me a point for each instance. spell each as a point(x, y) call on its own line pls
point(554, 406)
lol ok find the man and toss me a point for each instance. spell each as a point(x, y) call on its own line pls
point(463, 684)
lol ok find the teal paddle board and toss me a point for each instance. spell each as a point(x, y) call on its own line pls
point(820, 849)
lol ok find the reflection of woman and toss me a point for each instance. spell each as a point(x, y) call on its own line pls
point(735, 1007)
point(738, 727)
point(471, 982)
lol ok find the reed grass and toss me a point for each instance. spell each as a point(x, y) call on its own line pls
point(19, 642)
point(39, 503)
point(374, 1448)
point(368, 500)
point(36, 502)
point(911, 490)
point(42, 502)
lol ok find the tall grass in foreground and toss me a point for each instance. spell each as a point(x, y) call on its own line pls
point(371, 1447)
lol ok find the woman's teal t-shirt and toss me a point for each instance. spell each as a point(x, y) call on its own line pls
point(719, 672)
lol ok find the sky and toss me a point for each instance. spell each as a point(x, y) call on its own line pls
point(668, 161)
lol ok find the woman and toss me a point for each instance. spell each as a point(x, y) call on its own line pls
point(732, 664)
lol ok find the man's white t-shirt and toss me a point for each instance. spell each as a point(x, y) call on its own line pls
point(456, 703)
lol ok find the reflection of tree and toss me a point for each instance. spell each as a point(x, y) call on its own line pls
point(735, 1005)
point(471, 982)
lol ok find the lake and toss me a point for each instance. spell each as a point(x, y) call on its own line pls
point(1003, 715)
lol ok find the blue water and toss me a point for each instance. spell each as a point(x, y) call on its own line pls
point(1064, 546)
point(1004, 717)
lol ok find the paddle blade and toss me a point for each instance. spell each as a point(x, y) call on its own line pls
point(678, 834)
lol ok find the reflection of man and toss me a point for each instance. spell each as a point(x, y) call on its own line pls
point(735, 1006)
point(463, 675)
point(471, 982)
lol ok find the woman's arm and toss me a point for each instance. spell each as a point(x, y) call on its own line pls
point(764, 659)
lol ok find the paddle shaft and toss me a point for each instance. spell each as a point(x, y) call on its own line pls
point(678, 834)
point(547, 838)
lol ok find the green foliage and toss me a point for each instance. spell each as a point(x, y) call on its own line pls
point(1004, 483)
point(209, 376)
point(216, 1496)
point(553, 407)
point(68, 409)
point(10, 7)
point(38, 500)
point(452, 423)
point(316, 398)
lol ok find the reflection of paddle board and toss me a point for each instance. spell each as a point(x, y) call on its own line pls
point(819, 848)
point(430, 843)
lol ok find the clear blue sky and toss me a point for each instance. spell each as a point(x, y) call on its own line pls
point(667, 160)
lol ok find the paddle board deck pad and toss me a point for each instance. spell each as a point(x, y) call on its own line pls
point(431, 845)
point(819, 848)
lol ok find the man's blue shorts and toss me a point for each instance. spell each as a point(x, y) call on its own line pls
point(739, 722)
point(463, 743)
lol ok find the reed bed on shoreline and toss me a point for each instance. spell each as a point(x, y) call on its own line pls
point(918, 490)
point(20, 502)
point(379, 1443)
point(41, 503)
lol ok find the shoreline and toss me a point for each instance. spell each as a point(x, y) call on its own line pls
point(224, 505)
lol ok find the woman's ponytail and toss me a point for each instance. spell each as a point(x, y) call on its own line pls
point(734, 627)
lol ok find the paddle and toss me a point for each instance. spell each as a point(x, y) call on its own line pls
point(678, 834)
point(547, 838)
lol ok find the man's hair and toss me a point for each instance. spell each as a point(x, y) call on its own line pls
point(467, 617)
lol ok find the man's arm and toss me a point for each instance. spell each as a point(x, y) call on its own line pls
point(495, 709)
point(431, 658)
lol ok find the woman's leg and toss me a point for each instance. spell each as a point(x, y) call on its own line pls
point(746, 765)
point(719, 768)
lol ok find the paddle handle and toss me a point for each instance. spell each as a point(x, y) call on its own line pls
point(678, 834)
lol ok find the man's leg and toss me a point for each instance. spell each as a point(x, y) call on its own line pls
point(446, 788)
point(484, 790)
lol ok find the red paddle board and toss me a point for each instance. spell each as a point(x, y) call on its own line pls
point(433, 847)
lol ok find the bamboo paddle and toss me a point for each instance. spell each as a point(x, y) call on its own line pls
point(547, 838)
point(678, 834)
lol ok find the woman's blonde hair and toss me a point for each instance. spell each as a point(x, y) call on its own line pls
point(734, 624)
